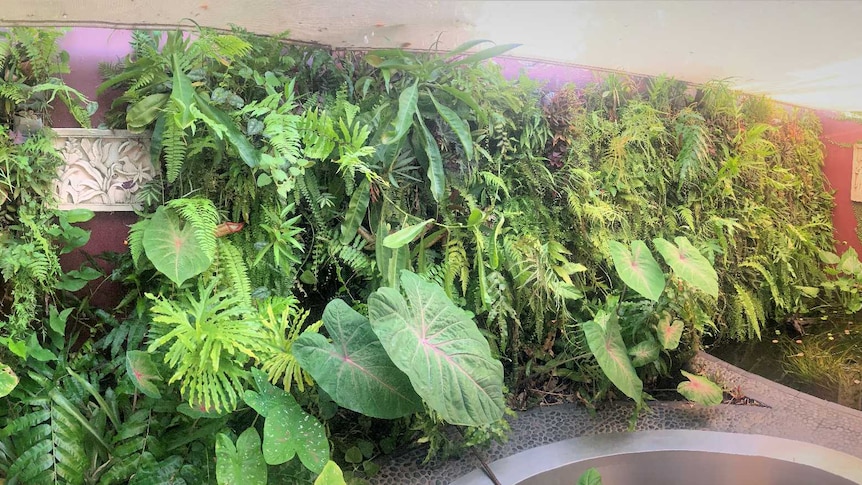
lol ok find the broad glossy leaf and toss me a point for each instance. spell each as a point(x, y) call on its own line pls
point(182, 95)
point(466, 46)
point(849, 262)
point(354, 369)
point(637, 268)
point(288, 431)
point(242, 464)
point(173, 248)
point(606, 343)
point(143, 372)
point(828, 257)
point(355, 211)
point(486, 54)
point(222, 123)
point(145, 111)
point(73, 216)
point(404, 119)
point(669, 331)
point(405, 235)
point(590, 477)
point(436, 173)
point(440, 349)
point(700, 390)
point(8, 380)
point(459, 126)
point(644, 353)
point(331, 475)
point(687, 262)
point(467, 99)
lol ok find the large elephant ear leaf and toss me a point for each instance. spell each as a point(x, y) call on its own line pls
point(242, 463)
point(687, 262)
point(606, 343)
point(354, 369)
point(8, 380)
point(440, 349)
point(700, 390)
point(173, 248)
point(637, 268)
point(143, 372)
point(288, 431)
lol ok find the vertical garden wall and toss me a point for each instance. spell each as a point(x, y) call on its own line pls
point(347, 252)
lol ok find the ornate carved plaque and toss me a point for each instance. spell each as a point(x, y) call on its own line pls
point(104, 169)
point(856, 180)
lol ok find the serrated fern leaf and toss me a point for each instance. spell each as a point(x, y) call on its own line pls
point(231, 262)
point(203, 216)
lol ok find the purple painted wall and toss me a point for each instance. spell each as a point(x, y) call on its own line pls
point(87, 48)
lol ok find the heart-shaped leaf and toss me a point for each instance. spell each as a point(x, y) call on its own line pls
point(405, 235)
point(354, 369)
point(8, 380)
point(644, 352)
point(240, 464)
point(143, 372)
point(440, 349)
point(700, 390)
point(669, 332)
point(687, 262)
point(331, 475)
point(606, 343)
point(173, 248)
point(637, 268)
point(288, 431)
point(590, 477)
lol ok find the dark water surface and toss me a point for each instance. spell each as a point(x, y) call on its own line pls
point(825, 362)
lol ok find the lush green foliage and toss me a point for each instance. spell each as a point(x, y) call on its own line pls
point(486, 227)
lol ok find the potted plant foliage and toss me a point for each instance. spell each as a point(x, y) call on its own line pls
point(30, 63)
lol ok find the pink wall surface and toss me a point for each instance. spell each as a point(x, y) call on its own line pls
point(838, 138)
point(87, 48)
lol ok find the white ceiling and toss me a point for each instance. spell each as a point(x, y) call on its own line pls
point(803, 52)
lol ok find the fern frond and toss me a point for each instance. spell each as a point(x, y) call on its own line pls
point(136, 239)
point(174, 146)
point(209, 336)
point(457, 266)
point(202, 215)
point(777, 295)
point(231, 263)
point(284, 321)
point(746, 302)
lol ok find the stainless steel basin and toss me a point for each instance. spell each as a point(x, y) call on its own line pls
point(676, 457)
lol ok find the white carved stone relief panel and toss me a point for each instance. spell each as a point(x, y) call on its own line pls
point(104, 169)
point(856, 180)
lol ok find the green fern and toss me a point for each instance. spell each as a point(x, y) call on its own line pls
point(202, 215)
point(48, 445)
point(174, 146)
point(231, 264)
point(746, 304)
point(283, 322)
point(209, 337)
point(457, 266)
